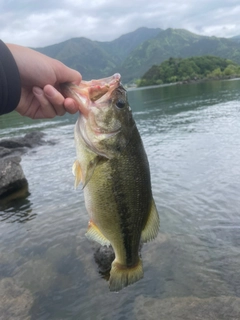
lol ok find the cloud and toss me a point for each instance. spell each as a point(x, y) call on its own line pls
point(40, 23)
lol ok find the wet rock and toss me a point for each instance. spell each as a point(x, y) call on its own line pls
point(12, 177)
point(20, 145)
point(4, 152)
point(187, 308)
point(11, 174)
point(15, 302)
point(30, 140)
point(104, 257)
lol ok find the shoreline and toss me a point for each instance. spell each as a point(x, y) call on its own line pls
point(192, 81)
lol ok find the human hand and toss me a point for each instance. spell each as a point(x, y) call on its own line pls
point(40, 78)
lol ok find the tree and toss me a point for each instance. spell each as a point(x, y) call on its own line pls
point(177, 69)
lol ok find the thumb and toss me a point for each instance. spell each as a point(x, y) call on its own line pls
point(66, 74)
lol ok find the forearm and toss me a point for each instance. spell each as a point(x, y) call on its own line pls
point(10, 83)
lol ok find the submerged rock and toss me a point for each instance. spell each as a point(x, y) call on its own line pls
point(15, 302)
point(104, 257)
point(37, 275)
point(12, 177)
point(187, 308)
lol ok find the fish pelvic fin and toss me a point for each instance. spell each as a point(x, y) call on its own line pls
point(151, 228)
point(77, 172)
point(93, 233)
point(123, 276)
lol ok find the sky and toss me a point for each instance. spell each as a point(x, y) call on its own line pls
point(39, 23)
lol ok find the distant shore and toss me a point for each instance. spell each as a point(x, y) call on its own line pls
point(191, 81)
point(190, 70)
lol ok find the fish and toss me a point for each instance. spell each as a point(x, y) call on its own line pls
point(113, 168)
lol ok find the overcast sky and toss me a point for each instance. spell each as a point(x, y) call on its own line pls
point(38, 23)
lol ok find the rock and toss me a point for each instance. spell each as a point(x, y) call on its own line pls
point(33, 139)
point(30, 140)
point(183, 266)
point(11, 174)
point(15, 302)
point(104, 257)
point(12, 177)
point(37, 275)
point(187, 308)
point(18, 146)
point(4, 152)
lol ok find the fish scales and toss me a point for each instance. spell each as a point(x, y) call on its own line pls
point(113, 168)
point(128, 188)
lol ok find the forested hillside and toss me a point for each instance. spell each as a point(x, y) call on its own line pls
point(194, 68)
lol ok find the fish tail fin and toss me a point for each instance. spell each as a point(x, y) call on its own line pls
point(122, 276)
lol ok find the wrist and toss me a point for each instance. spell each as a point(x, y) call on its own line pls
point(10, 90)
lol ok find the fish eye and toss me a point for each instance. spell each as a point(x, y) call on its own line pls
point(120, 104)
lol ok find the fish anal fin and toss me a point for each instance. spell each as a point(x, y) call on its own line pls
point(151, 228)
point(77, 172)
point(123, 276)
point(93, 233)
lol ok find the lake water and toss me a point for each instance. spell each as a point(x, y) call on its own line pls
point(191, 134)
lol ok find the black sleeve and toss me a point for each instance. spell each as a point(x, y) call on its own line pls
point(10, 83)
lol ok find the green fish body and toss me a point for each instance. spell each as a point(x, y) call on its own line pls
point(113, 168)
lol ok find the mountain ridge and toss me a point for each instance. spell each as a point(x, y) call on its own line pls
point(132, 54)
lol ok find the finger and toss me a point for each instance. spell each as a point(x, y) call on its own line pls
point(66, 74)
point(76, 78)
point(46, 107)
point(71, 106)
point(55, 98)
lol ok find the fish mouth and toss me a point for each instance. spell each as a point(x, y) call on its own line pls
point(98, 88)
point(88, 92)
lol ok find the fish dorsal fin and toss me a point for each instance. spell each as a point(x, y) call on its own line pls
point(93, 233)
point(77, 172)
point(151, 228)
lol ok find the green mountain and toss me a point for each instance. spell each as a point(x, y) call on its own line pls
point(122, 46)
point(176, 43)
point(134, 53)
point(236, 38)
point(84, 55)
point(95, 59)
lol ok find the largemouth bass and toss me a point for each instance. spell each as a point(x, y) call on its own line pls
point(113, 168)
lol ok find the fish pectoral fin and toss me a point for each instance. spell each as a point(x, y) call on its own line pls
point(77, 172)
point(151, 228)
point(93, 233)
point(90, 170)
